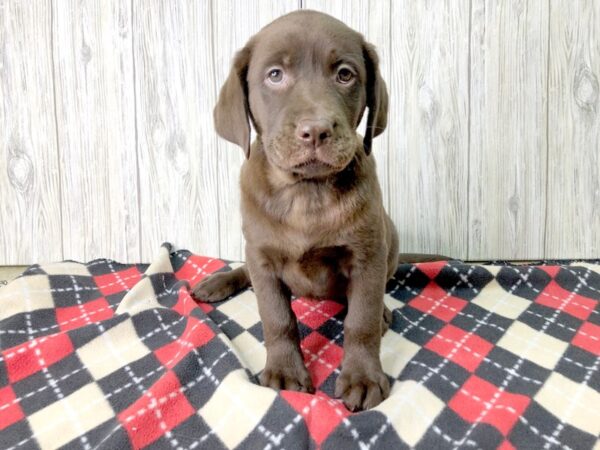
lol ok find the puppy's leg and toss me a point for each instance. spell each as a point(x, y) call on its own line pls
point(362, 383)
point(387, 320)
point(285, 367)
point(221, 285)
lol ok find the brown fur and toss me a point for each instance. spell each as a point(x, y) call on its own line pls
point(312, 211)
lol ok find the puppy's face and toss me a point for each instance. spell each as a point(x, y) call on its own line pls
point(304, 81)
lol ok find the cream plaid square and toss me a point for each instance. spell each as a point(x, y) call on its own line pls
point(72, 416)
point(494, 298)
point(424, 407)
point(242, 309)
point(25, 294)
point(67, 268)
point(251, 352)
point(236, 408)
point(573, 403)
point(533, 345)
point(396, 352)
point(112, 350)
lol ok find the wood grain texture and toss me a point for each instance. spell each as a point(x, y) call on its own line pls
point(428, 125)
point(573, 211)
point(108, 148)
point(93, 65)
point(30, 224)
point(234, 22)
point(372, 19)
point(175, 91)
point(508, 146)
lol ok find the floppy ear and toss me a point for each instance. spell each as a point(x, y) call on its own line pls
point(377, 97)
point(231, 114)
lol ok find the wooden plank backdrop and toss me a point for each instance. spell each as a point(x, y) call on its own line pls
point(107, 146)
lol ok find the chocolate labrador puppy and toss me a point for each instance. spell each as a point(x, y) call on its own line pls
point(312, 212)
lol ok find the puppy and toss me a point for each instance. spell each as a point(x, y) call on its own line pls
point(313, 217)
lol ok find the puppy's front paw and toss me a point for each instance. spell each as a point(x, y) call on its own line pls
point(362, 386)
point(214, 288)
point(292, 377)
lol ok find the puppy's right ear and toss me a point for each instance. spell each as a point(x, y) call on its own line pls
point(231, 114)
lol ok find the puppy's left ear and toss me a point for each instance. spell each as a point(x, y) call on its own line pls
point(377, 97)
point(232, 112)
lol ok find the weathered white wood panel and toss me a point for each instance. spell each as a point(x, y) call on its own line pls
point(93, 66)
point(372, 19)
point(234, 22)
point(508, 140)
point(107, 146)
point(573, 211)
point(175, 90)
point(428, 126)
point(30, 225)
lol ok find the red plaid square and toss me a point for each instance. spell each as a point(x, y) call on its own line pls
point(10, 411)
point(32, 356)
point(321, 414)
point(195, 335)
point(160, 410)
point(556, 297)
point(114, 282)
point(506, 446)
point(315, 313)
point(480, 401)
point(438, 303)
point(321, 356)
point(185, 303)
point(588, 338)
point(458, 346)
point(431, 269)
point(195, 268)
point(80, 315)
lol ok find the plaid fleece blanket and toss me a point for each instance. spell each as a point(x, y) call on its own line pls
point(109, 355)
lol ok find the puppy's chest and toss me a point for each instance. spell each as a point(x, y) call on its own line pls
point(315, 209)
point(319, 272)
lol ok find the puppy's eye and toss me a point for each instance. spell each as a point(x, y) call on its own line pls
point(275, 76)
point(344, 75)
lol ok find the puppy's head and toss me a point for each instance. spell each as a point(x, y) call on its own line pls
point(304, 81)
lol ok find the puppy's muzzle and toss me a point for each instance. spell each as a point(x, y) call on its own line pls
point(314, 133)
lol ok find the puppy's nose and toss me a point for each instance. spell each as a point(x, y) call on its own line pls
point(314, 132)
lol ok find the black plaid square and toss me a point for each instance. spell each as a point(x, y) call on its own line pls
point(516, 375)
point(414, 325)
point(157, 330)
point(124, 386)
point(553, 322)
point(12, 436)
point(577, 364)
point(256, 330)
point(447, 430)
point(524, 281)
point(373, 432)
point(280, 428)
point(69, 290)
point(441, 376)
point(581, 280)
point(45, 387)
point(537, 425)
point(15, 329)
point(83, 335)
point(192, 433)
point(463, 281)
point(489, 325)
point(407, 283)
point(205, 367)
